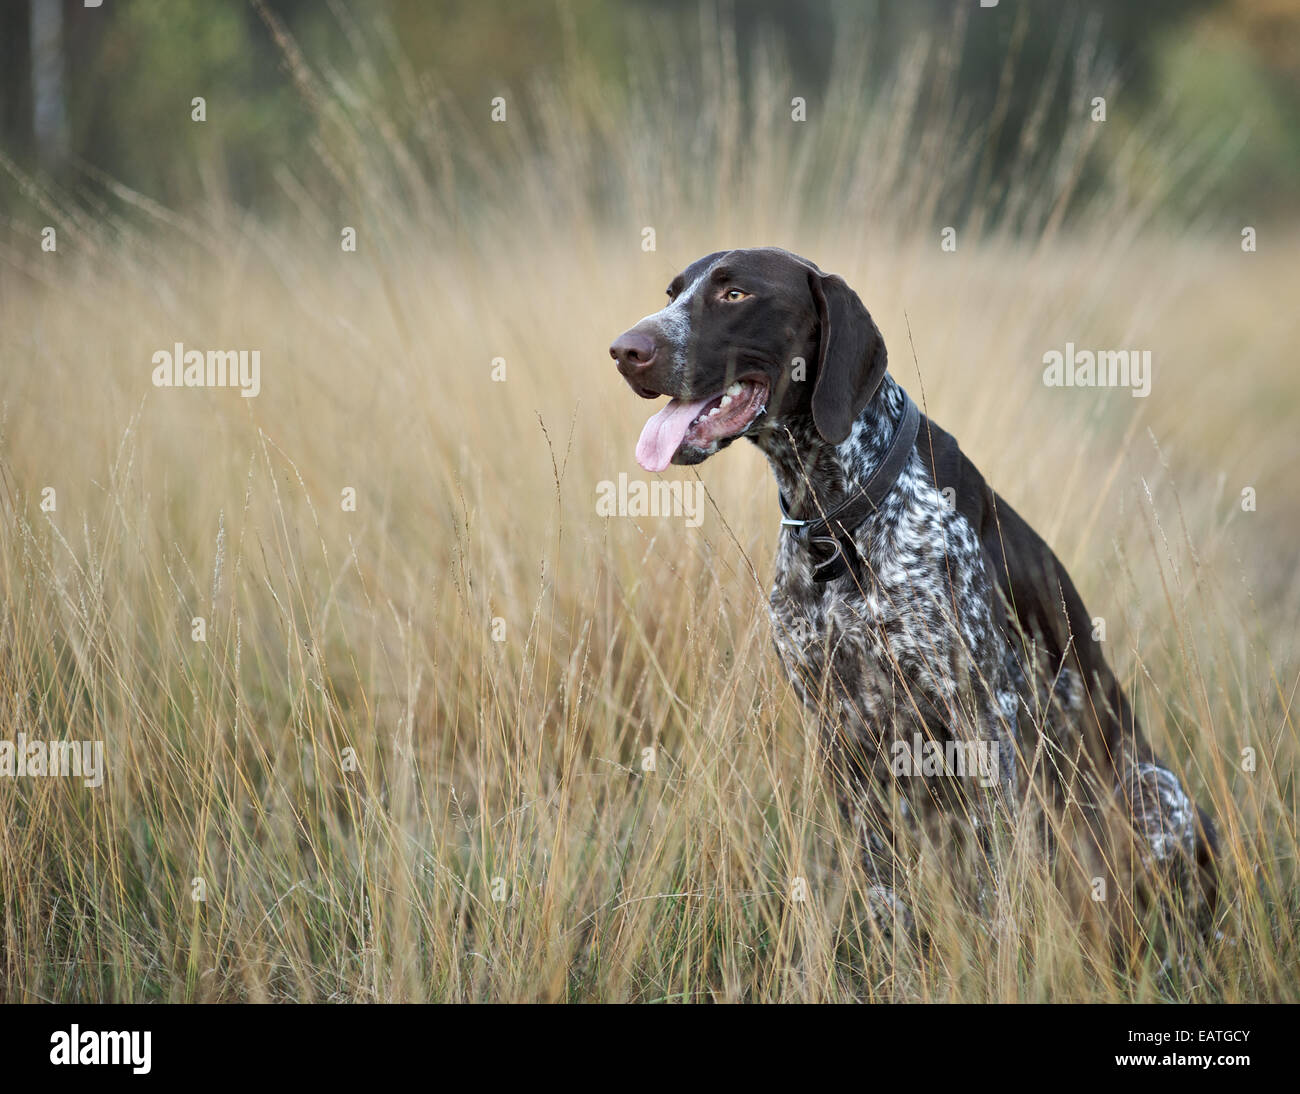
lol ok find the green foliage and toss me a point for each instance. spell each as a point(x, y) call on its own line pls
point(132, 69)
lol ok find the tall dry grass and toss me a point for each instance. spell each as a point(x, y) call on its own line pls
point(520, 759)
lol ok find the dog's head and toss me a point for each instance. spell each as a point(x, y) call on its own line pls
point(747, 333)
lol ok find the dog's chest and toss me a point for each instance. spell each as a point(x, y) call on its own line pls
point(921, 602)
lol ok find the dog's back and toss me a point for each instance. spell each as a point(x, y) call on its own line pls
point(1064, 675)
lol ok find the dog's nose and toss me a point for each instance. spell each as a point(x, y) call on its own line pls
point(634, 351)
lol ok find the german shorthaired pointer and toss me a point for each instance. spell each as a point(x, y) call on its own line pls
point(915, 611)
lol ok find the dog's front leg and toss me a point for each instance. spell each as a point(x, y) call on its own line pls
point(875, 805)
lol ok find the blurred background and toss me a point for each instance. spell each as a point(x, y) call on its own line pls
point(1223, 77)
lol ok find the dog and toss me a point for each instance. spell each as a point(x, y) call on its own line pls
point(914, 610)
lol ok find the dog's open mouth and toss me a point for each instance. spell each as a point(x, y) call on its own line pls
point(700, 424)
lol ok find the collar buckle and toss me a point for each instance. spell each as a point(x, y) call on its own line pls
point(832, 532)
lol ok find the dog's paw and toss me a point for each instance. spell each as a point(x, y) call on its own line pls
point(1162, 813)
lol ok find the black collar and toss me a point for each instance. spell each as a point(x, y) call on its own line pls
point(830, 537)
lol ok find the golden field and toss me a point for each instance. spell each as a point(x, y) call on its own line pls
point(512, 750)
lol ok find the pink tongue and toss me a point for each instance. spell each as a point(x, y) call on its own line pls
point(663, 433)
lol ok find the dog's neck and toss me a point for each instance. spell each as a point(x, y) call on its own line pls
point(815, 476)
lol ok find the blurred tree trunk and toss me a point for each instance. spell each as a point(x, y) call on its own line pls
point(49, 108)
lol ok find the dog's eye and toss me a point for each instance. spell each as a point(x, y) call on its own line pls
point(733, 295)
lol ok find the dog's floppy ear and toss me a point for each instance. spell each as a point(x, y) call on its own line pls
point(851, 357)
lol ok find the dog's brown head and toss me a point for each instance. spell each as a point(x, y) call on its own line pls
point(748, 332)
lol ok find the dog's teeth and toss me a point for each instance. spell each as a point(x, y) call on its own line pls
point(725, 400)
point(734, 390)
point(714, 411)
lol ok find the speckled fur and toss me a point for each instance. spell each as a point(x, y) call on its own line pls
point(912, 646)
